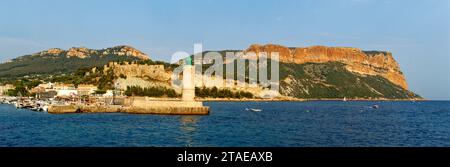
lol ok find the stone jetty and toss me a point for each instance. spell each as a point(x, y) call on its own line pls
point(137, 105)
point(145, 105)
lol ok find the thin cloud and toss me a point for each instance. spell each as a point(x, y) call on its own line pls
point(13, 47)
point(17, 41)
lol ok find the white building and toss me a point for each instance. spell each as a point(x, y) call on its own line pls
point(66, 93)
point(65, 90)
point(109, 93)
point(86, 90)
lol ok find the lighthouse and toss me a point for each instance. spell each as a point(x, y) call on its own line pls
point(188, 92)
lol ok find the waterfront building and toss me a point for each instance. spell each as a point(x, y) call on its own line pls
point(109, 93)
point(41, 88)
point(61, 86)
point(86, 90)
point(37, 90)
point(47, 94)
point(65, 90)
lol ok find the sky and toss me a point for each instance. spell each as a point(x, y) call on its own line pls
point(417, 32)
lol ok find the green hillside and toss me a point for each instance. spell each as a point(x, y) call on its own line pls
point(332, 80)
point(44, 63)
point(56, 64)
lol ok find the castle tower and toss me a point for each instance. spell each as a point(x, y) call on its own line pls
point(188, 92)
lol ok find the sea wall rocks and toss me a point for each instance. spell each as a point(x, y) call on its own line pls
point(169, 110)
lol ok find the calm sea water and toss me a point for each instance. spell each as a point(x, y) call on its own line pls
point(285, 124)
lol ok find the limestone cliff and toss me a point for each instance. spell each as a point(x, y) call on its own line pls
point(355, 60)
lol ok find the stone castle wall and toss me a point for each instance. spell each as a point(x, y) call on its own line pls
point(155, 72)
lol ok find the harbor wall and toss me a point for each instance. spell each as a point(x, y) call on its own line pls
point(147, 102)
point(169, 110)
point(62, 109)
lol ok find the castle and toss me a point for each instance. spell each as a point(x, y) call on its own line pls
point(155, 72)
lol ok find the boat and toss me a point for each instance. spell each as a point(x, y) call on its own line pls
point(253, 109)
point(44, 108)
point(375, 106)
point(34, 108)
point(17, 104)
point(345, 99)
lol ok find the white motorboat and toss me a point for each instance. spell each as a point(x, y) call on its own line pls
point(253, 109)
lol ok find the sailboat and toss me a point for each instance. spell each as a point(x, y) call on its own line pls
point(253, 109)
point(345, 99)
point(19, 102)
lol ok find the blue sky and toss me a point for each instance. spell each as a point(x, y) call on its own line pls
point(416, 32)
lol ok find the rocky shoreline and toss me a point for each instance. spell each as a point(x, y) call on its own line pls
point(162, 106)
point(299, 100)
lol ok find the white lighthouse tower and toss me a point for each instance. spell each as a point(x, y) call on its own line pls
point(188, 92)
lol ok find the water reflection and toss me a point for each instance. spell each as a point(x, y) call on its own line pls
point(188, 129)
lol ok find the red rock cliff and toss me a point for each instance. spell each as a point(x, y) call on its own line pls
point(356, 60)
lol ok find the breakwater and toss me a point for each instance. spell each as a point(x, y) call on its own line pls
point(137, 105)
point(169, 110)
point(131, 105)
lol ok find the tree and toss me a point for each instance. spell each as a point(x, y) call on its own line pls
point(19, 90)
point(150, 91)
point(100, 92)
point(221, 93)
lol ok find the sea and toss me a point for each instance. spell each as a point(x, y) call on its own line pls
point(235, 124)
